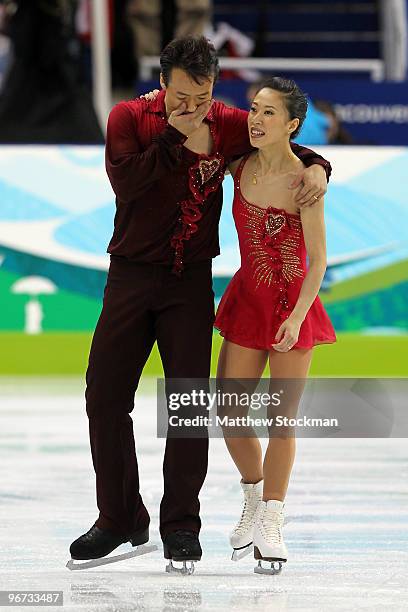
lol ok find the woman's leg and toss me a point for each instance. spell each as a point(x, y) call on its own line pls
point(238, 362)
point(280, 453)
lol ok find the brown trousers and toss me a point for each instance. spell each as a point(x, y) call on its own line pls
point(144, 303)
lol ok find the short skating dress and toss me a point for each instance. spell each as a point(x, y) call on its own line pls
point(264, 291)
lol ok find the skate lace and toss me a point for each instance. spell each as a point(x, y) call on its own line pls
point(90, 534)
point(271, 526)
point(248, 512)
point(186, 537)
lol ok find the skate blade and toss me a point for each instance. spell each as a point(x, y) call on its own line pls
point(240, 553)
point(140, 550)
point(276, 568)
point(186, 570)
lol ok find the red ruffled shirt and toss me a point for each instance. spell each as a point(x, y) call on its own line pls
point(168, 199)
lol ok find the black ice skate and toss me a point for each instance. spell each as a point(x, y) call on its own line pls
point(182, 546)
point(97, 543)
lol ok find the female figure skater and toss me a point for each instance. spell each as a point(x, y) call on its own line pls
point(271, 310)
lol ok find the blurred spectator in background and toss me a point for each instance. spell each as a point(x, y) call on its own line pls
point(336, 133)
point(315, 127)
point(44, 99)
point(156, 22)
point(4, 45)
point(394, 18)
point(123, 59)
point(230, 42)
point(124, 67)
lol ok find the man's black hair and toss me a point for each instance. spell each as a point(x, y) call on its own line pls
point(195, 55)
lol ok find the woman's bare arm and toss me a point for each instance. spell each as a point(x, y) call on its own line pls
point(314, 233)
point(315, 241)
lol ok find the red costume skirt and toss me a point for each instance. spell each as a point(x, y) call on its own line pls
point(252, 318)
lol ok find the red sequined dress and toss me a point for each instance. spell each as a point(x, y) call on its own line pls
point(264, 291)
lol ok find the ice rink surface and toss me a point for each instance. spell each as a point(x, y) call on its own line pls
point(347, 513)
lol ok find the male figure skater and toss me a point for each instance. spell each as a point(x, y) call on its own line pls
point(166, 161)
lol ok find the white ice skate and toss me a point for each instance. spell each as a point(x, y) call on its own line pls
point(241, 536)
point(268, 540)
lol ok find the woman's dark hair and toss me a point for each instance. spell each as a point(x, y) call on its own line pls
point(295, 99)
point(195, 55)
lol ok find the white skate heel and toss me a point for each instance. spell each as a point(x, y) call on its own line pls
point(268, 539)
point(241, 537)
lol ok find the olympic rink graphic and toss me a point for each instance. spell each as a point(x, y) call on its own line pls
point(56, 219)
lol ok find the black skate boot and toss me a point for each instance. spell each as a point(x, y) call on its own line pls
point(183, 546)
point(98, 543)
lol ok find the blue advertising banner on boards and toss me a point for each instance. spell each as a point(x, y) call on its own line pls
point(374, 113)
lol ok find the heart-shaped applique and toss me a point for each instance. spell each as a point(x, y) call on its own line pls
point(208, 169)
point(274, 223)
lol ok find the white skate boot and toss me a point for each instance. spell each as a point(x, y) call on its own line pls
point(268, 539)
point(241, 536)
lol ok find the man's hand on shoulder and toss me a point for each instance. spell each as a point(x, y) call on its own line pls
point(311, 185)
point(151, 96)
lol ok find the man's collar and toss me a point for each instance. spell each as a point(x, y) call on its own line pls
point(158, 106)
